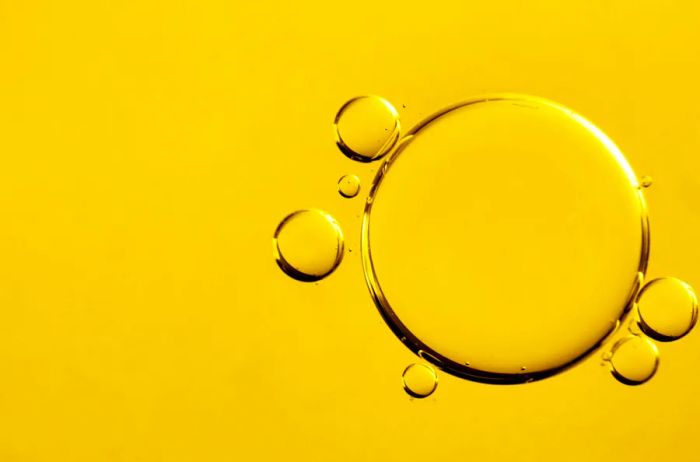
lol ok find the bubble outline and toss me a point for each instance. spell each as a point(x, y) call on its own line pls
point(388, 145)
point(618, 375)
point(408, 389)
point(421, 349)
point(653, 333)
point(290, 270)
point(354, 178)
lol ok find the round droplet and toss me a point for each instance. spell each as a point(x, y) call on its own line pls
point(367, 128)
point(529, 262)
point(634, 360)
point(667, 308)
point(308, 245)
point(349, 186)
point(646, 181)
point(419, 380)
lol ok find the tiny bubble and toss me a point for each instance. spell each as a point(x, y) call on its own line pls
point(419, 380)
point(349, 186)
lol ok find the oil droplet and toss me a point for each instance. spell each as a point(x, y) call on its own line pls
point(419, 380)
point(308, 245)
point(440, 253)
point(646, 181)
point(367, 128)
point(667, 308)
point(349, 186)
point(634, 360)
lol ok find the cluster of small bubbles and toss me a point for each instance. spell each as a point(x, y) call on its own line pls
point(367, 128)
point(667, 309)
point(308, 245)
point(419, 380)
point(349, 186)
point(633, 360)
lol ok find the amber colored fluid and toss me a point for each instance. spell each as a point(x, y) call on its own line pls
point(148, 151)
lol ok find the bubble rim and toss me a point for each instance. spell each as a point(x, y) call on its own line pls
point(418, 347)
point(408, 389)
point(287, 267)
point(619, 344)
point(650, 331)
point(356, 179)
point(388, 145)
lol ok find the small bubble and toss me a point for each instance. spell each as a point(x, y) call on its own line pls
point(308, 245)
point(367, 128)
point(419, 380)
point(634, 360)
point(349, 186)
point(646, 182)
point(667, 308)
point(523, 368)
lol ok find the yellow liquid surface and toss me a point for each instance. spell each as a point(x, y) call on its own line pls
point(150, 149)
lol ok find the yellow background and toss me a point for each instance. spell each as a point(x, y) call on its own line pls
point(148, 151)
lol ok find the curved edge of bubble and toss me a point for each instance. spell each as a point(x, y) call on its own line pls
point(620, 377)
point(658, 336)
point(418, 347)
point(389, 145)
point(410, 392)
point(356, 179)
point(290, 270)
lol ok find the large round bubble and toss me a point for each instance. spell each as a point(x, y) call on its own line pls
point(504, 239)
